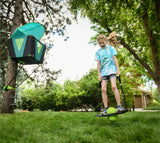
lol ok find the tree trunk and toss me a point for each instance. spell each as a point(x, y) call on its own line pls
point(159, 90)
point(154, 51)
point(158, 86)
point(8, 97)
point(157, 5)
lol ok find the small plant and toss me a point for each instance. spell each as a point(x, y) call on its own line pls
point(153, 106)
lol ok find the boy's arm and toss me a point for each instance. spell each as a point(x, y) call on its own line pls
point(99, 69)
point(116, 63)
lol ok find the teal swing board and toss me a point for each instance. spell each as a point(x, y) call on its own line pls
point(25, 46)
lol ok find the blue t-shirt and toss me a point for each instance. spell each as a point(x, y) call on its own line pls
point(105, 55)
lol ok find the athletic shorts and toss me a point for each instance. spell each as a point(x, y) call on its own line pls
point(108, 77)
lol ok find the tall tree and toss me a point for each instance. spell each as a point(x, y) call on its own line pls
point(50, 13)
point(3, 53)
point(136, 23)
point(8, 98)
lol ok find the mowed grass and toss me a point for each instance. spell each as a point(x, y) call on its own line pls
point(79, 127)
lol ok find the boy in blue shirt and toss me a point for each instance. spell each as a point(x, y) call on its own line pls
point(107, 66)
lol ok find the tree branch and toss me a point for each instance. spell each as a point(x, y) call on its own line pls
point(24, 12)
point(37, 2)
point(5, 17)
point(9, 10)
point(147, 67)
point(26, 4)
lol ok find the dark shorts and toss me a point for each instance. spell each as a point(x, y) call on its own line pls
point(108, 77)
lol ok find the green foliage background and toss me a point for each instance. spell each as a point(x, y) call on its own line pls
point(81, 94)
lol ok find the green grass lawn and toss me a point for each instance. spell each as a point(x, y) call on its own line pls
point(79, 127)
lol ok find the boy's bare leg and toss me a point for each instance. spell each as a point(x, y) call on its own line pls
point(115, 90)
point(104, 93)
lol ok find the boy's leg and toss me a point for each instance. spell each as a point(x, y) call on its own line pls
point(104, 93)
point(115, 90)
point(116, 94)
point(104, 96)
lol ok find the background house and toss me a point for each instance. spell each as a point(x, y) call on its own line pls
point(143, 100)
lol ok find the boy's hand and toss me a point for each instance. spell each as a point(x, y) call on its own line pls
point(99, 77)
point(118, 72)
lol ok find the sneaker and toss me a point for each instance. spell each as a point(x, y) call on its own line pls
point(104, 112)
point(120, 108)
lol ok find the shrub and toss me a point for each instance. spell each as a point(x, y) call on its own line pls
point(153, 106)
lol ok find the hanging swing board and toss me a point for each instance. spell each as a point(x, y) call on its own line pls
point(117, 113)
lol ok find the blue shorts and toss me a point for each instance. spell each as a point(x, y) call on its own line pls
point(108, 77)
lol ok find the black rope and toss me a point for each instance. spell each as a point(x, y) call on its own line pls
point(28, 76)
point(99, 96)
point(124, 99)
point(12, 79)
point(16, 75)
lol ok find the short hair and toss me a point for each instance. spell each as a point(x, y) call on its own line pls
point(101, 37)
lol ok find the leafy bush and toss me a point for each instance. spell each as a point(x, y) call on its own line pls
point(153, 106)
point(55, 97)
point(29, 99)
point(156, 95)
point(76, 94)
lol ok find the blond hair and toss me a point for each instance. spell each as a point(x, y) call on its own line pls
point(112, 40)
point(101, 38)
